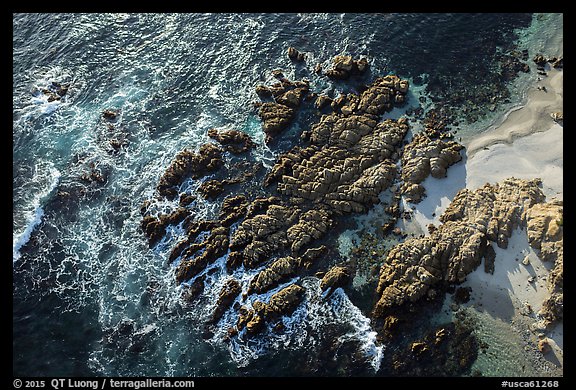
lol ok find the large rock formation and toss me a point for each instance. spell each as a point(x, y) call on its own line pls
point(456, 248)
point(344, 66)
point(286, 95)
point(425, 156)
point(545, 234)
point(284, 302)
point(347, 159)
point(233, 141)
point(189, 164)
point(336, 277)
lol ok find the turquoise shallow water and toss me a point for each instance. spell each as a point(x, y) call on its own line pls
point(89, 296)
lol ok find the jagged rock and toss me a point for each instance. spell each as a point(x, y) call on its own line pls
point(155, 227)
point(344, 66)
point(540, 60)
point(262, 234)
point(545, 231)
point(284, 302)
point(255, 325)
point(233, 141)
point(322, 101)
point(233, 208)
point(189, 164)
point(210, 189)
point(275, 118)
point(336, 277)
point(546, 235)
point(544, 345)
point(311, 225)
point(351, 168)
point(390, 326)
point(186, 199)
point(418, 347)
point(557, 117)
point(471, 221)
point(277, 272)
point(195, 289)
point(311, 254)
point(110, 115)
point(382, 94)
point(425, 156)
point(556, 63)
point(295, 55)
point(215, 246)
point(228, 294)
point(292, 97)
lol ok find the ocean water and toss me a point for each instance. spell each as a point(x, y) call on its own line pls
point(90, 298)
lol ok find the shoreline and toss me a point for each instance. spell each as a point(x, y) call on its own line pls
point(543, 98)
point(527, 143)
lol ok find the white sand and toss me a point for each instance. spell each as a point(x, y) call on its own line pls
point(527, 144)
point(533, 117)
point(535, 155)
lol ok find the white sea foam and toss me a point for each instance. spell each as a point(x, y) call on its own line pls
point(303, 328)
point(47, 177)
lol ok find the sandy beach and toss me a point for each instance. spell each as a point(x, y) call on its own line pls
point(526, 143)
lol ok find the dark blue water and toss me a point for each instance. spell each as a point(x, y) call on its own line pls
point(89, 296)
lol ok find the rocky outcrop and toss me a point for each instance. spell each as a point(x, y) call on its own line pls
point(456, 248)
point(351, 169)
point(233, 141)
point(258, 237)
point(282, 303)
point(336, 277)
point(555, 62)
point(277, 272)
point(210, 189)
point(425, 156)
point(213, 247)
point(155, 227)
point(189, 164)
point(557, 117)
point(347, 159)
point(546, 235)
point(228, 294)
point(278, 114)
point(344, 66)
point(275, 118)
point(295, 55)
